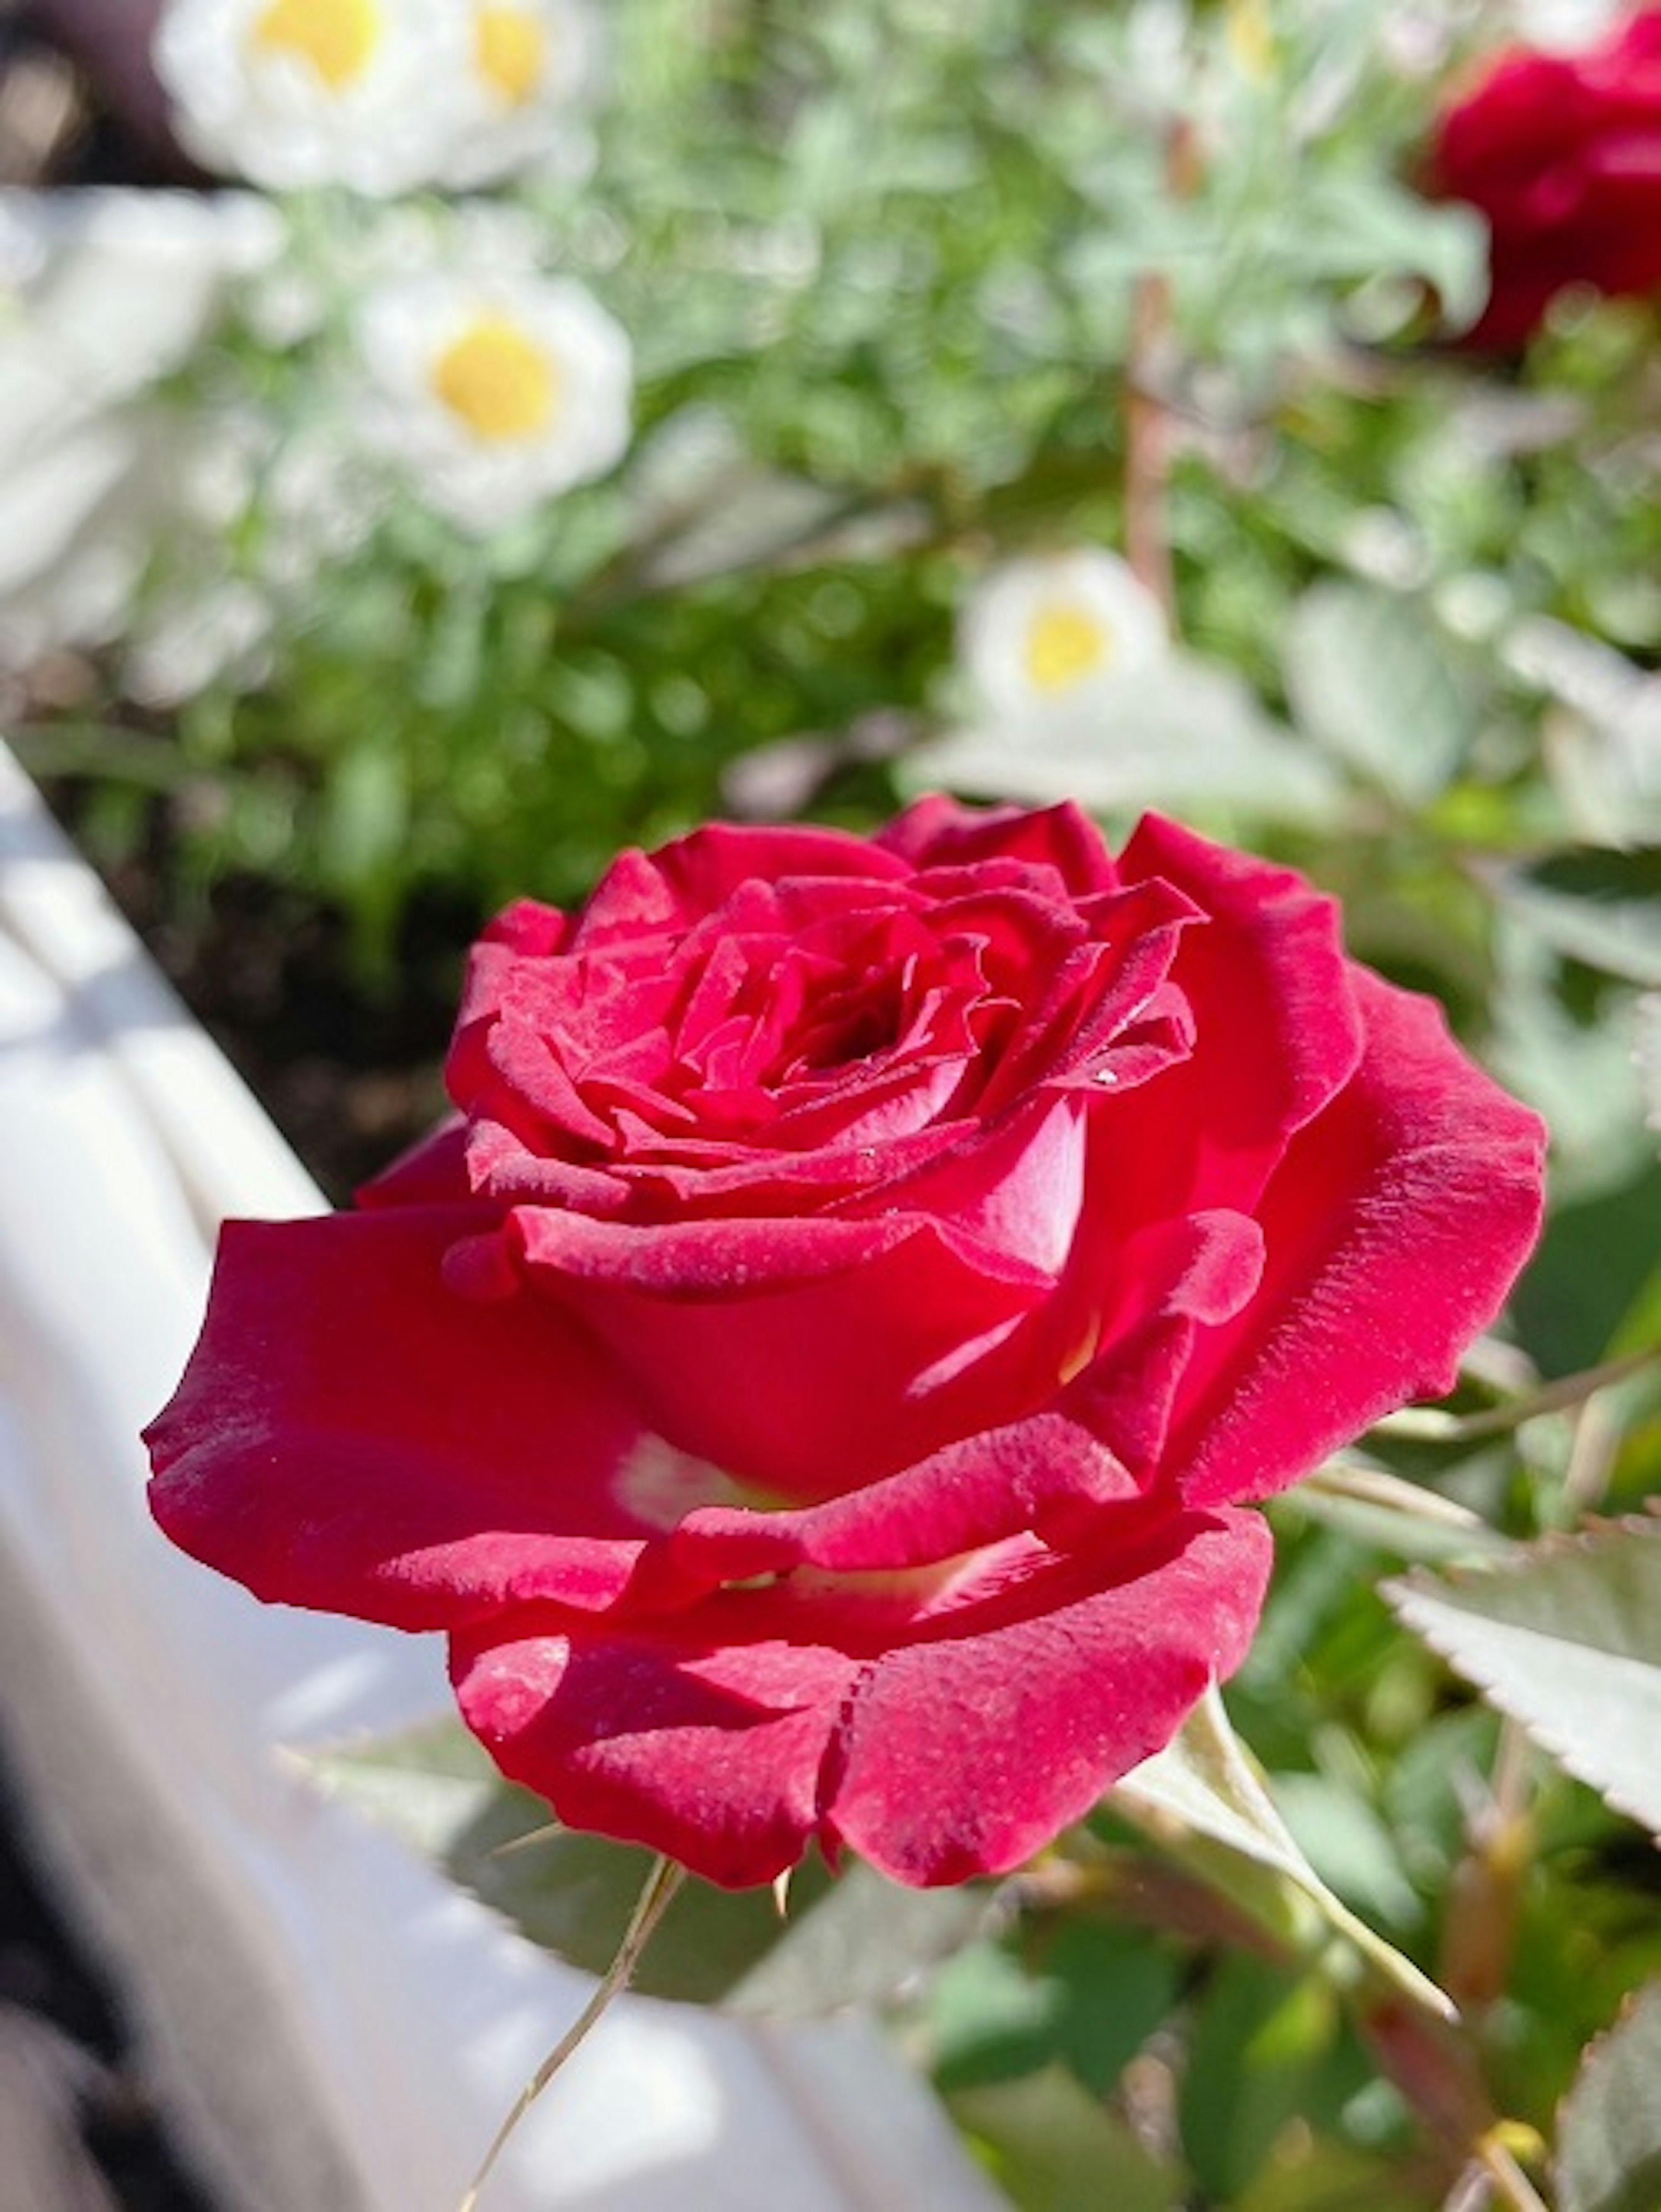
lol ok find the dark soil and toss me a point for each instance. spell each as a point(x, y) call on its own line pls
point(349, 1070)
point(94, 2134)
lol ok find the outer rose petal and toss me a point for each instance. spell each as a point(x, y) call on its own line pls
point(937, 1759)
point(806, 1390)
point(352, 1436)
point(1394, 1231)
point(1276, 1033)
point(711, 1755)
point(1043, 1713)
point(937, 832)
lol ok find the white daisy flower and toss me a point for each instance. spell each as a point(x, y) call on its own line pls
point(291, 93)
point(102, 295)
point(495, 390)
point(531, 65)
point(1046, 638)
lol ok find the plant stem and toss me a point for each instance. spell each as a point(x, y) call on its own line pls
point(1515, 2188)
point(1568, 1390)
point(661, 1884)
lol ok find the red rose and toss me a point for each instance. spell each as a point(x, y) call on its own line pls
point(816, 1379)
point(1563, 154)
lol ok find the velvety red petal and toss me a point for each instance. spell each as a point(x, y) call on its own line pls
point(802, 1386)
point(351, 1436)
point(710, 1755)
point(978, 1491)
point(954, 1755)
point(1393, 1233)
point(963, 1755)
point(937, 832)
point(689, 879)
point(1190, 1277)
point(1016, 1188)
point(1276, 1031)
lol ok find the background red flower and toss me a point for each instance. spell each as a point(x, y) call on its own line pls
point(1562, 152)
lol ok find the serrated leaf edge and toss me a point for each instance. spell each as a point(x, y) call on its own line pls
point(1400, 1593)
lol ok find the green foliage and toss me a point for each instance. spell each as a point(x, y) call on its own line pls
point(1567, 1640)
point(1609, 2156)
point(858, 1940)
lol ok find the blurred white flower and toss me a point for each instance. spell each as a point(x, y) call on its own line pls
point(1565, 24)
point(1047, 639)
point(101, 295)
point(531, 65)
point(381, 95)
point(291, 93)
point(196, 636)
point(495, 389)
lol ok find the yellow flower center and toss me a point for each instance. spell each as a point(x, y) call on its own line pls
point(336, 38)
point(1249, 30)
point(1064, 644)
point(512, 51)
point(499, 381)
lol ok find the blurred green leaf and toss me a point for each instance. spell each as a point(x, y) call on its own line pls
point(1267, 2059)
point(1203, 1800)
point(1608, 2142)
point(852, 1939)
point(1348, 1846)
point(1085, 1992)
point(1052, 2147)
point(1369, 675)
point(1602, 908)
point(1595, 1267)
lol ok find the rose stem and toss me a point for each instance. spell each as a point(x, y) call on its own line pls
point(1560, 1396)
point(661, 1885)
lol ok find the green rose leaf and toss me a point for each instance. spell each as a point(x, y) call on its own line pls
point(1204, 1801)
point(853, 1939)
point(1609, 2138)
point(1368, 676)
point(1566, 1639)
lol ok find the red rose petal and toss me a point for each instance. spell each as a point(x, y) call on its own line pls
point(795, 1353)
point(732, 1753)
point(1044, 1712)
point(710, 1755)
point(1393, 1231)
point(351, 1436)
